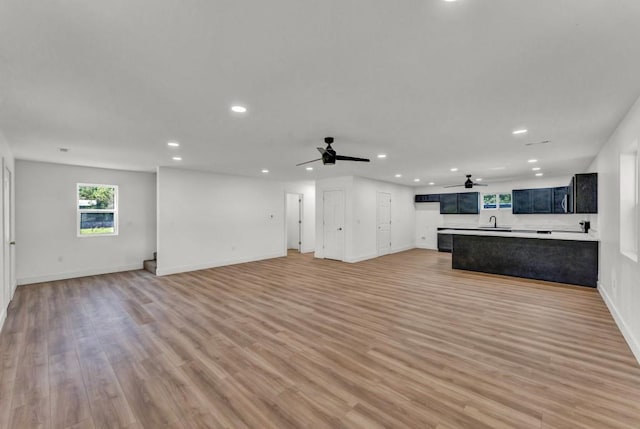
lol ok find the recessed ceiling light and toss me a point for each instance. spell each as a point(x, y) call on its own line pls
point(416, 180)
point(398, 175)
point(173, 144)
point(522, 131)
point(382, 155)
point(177, 158)
point(431, 183)
point(454, 169)
point(309, 168)
point(539, 174)
point(265, 171)
point(449, 1)
point(239, 109)
point(535, 168)
point(531, 161)
point(479, 179)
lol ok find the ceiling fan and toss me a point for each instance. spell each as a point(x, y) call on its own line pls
point(329, 155)
point(468, 183)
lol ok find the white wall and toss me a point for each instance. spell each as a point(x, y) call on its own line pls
point(207, 220)
point(7, 255)
point(428, 217)
point(48, 247)
point(619, 275)
point(293, 216)
point(361, 216)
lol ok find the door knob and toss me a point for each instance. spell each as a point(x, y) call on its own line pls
point(12, 243)
point(339, 229)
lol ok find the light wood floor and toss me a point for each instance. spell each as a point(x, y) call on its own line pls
point(398, 342)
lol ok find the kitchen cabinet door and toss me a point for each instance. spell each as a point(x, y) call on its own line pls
point(468, 203)
point(522, 201)
point(448, 203)
point(445, 242)
point(541, 200)
point(560, 199)
point(586, 193)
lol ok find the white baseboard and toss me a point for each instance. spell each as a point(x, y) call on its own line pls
point(186, 268)
point(75, 274)
point(426, 246)
point(634, 343)
point(403, 248)
point(361, 258)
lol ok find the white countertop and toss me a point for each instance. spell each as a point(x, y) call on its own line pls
point(575, 236)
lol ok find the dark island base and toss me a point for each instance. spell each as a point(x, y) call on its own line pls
point(563, 261)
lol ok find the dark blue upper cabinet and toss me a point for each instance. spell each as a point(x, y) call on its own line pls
point(561, 199)
point(522, 203)
point(427, 198)
point(541, 200)
point(448, 203)
point(468, 203)
point(586, 193)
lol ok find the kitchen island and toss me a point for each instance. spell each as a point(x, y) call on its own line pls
point(563, 257)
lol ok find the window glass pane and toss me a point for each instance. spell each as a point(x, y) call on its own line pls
point(489, 201)
point(97, 223)
point(96, 197)
point(505, 201)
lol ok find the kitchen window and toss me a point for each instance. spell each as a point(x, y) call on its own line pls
point(97, 207)
point(496, 201)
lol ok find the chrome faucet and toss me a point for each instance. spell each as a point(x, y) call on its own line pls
point(495, 221)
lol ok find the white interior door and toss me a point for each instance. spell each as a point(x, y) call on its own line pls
point(7, 236)
point(333, 224)
point(384, 223)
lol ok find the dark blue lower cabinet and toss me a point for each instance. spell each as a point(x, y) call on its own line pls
point(445, 242)
point(564, 261)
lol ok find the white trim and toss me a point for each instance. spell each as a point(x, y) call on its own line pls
point(186, 268)
point(634, 344)
point(75, 274)
point(363, 258)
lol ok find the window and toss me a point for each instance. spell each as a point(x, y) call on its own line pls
point(97, 210)
point(495, 201)
point(629, 202)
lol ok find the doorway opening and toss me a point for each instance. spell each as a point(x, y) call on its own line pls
point(294, 223)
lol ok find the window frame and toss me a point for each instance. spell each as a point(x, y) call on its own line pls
point(114, 210)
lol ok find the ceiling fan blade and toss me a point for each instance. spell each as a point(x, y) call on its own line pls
point(307, 162)
point(321, 150)
point(480, 184)
point(452, 186)
point(351, 158)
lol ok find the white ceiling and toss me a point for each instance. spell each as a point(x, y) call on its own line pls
point(433, 84)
